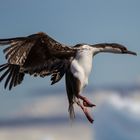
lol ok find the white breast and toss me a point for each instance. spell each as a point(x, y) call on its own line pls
point(81, 66)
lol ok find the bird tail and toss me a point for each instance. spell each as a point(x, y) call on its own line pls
point(70, 94)
point(12, 75)
point(71, 111)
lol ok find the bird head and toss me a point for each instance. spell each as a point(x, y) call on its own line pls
point(112, 48)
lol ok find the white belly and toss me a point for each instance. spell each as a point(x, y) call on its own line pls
point(81, 67)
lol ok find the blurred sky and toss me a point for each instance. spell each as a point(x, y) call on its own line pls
point(75, 21)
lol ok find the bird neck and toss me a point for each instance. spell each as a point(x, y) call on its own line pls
point(106, 50)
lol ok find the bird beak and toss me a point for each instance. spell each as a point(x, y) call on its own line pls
point(129, 52)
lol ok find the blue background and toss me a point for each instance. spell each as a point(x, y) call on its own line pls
point(71, 22)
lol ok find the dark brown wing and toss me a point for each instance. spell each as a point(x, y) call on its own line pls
point(12, 74)
point(34, 48)
point(37, 54)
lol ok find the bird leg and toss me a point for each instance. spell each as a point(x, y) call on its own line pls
point(86, 102)
point(85, 110)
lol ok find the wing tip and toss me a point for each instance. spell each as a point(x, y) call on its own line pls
point(11, 75)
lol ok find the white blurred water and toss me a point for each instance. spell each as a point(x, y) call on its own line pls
point(118, 118)
point(41, 116)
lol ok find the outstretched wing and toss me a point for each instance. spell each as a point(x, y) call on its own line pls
point(12, 74)
point(38, 54)
point(34, 49)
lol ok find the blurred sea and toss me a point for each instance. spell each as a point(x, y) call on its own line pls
point(36, 115)
point(118, 118)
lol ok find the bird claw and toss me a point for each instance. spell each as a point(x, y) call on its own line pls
point(90, 119)
point(86, 102)
point(85, 110)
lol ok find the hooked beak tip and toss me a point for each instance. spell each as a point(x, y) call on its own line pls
point(130, 52)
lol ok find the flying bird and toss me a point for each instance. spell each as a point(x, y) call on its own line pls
point(40, 55)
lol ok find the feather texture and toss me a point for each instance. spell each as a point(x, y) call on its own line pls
point(38, 55)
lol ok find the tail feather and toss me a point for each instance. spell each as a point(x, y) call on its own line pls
point(71, 111)
point(12, 75)
point(70, 94)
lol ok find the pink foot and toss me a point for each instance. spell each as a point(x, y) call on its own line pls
point(86, 102)
point(88, 115)
point(85, 110)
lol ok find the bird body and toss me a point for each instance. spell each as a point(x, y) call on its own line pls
point(82, 64)
point(40, 55)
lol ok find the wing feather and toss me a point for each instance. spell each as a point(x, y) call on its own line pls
point(37, 54)
point(4, 74)
point(3, 67)
point(9, 77)
point(12, 75)
point(37, 44)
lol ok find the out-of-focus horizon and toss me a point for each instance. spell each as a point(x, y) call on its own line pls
point(37, 111)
